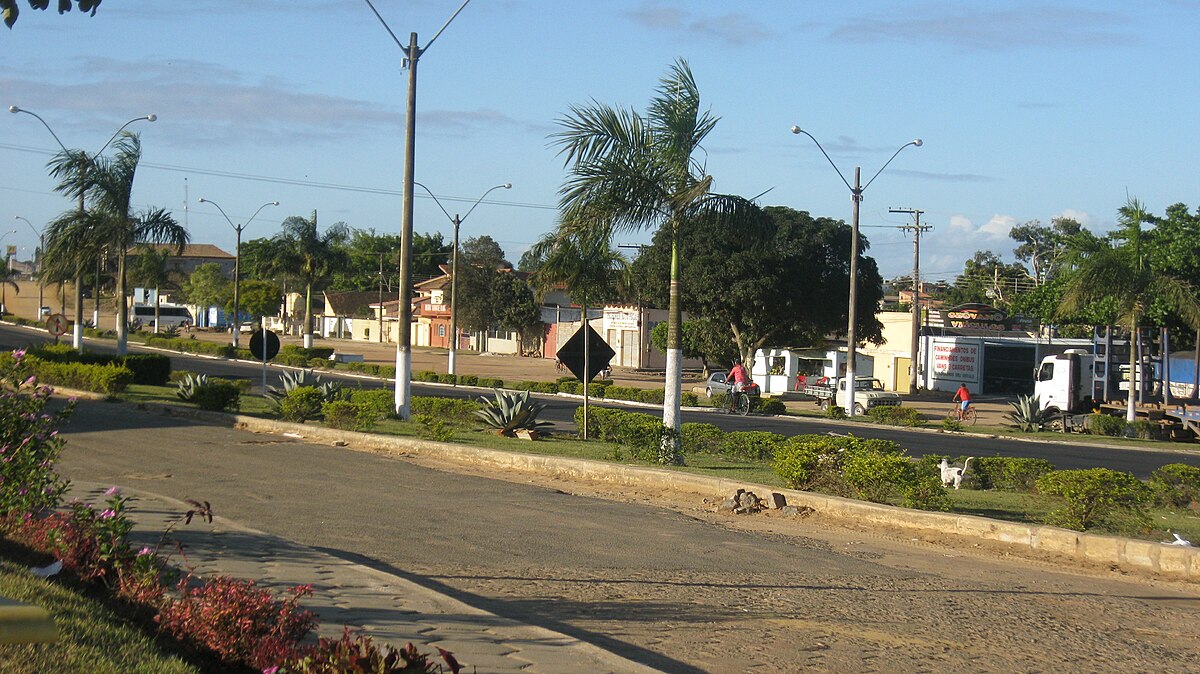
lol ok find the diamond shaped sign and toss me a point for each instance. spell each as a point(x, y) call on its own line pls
point(599, 354)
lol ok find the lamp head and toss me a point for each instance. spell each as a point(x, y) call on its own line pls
point(274, 203)
point(202, 200)
point(151, 117)
point(508, 186)
point(14, 109)
point(795, 129)
point(918, 142)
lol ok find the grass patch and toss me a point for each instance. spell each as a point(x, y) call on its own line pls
point(94, 638)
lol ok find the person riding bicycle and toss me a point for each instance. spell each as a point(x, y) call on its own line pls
point(737, 378)
point(963, 397)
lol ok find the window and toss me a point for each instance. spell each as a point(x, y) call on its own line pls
point(441, 331)
point(1047, 372)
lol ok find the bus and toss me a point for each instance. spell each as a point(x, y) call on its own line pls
point(169, 316)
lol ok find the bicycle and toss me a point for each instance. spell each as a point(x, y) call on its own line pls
point(739, 403)
point(968, 417)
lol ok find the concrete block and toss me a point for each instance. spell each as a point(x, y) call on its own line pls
point(775, 500)
point(982, 527)
point(1053, 539)
point(1102, 549)
point(1178, 560)
point(1141, 554)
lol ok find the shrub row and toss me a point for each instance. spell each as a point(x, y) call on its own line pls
point(150, 369)
point(896, 415)
point(1005, 473)
point(106, 379)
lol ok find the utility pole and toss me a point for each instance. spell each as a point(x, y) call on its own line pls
point(916, 228)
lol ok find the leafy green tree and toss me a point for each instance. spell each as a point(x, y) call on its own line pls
point(314, 255)
point(1043, 248)
point(110, 187)
point(781, 280)
point(480, 264)
point(986, 273)
point(1125, 275)
point(271, 260)
point(630, 171)
point(10, 10)
point(705, 340)
point(258, 298)
point(207, 286)
point(515, 307)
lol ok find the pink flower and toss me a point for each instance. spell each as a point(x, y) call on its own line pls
point(113, 491)
point(108, 514)
point(145, 551)
point(31, 381)
point(271, 670)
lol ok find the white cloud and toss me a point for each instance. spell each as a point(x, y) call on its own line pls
point(961, 223)
point(734, 29)
point(1082, 217)
point(999, 226)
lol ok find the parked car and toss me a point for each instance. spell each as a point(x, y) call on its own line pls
point(716, 385)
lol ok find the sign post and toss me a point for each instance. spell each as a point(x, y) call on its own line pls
point(57, 326)
point(585, 354)
point(264, 344)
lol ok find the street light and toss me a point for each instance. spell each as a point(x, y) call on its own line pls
point(412, 54)
point(4, 281)
point(237, 261)
point(86, 159)
point(38, 259)
point(856, 194)
point(457, 220)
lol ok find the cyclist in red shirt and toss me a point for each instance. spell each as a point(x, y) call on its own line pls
point(738, 377)
point(962, 396)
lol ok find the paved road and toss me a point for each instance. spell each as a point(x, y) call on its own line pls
point(561, 411)
point(682, 590)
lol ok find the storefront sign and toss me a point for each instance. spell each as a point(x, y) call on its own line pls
point(956, 361)
point(620, 320)
point(977, 317)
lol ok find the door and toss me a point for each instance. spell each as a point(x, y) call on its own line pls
point(903, 375)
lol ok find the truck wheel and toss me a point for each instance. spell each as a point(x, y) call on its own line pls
point(859, 410)
point(823, 403)
point(1057, 424)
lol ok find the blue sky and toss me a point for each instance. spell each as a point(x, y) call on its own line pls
point(1028, 110)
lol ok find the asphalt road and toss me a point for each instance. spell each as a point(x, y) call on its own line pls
point(561, 411)
point(684, 589)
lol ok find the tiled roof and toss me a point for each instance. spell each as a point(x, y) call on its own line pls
point(202, 250)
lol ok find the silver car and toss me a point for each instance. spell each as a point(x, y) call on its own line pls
point(716, 385)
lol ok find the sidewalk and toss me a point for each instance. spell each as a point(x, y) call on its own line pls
point(389, 608)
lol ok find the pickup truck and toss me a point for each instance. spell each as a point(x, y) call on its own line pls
point(868, 393)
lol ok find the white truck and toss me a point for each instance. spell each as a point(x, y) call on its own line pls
point(868, 393)
point(1063, 386)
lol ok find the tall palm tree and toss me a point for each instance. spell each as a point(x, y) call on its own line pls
point(315, 255)
point(1123, 275)
point(630, 171)
point(584, 262)
point(110, 187)
point(70, 238)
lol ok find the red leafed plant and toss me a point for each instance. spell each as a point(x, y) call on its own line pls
point(360, 655)
point(239, 621)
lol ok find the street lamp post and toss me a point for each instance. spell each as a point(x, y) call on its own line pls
point(237, 262)
point(856, 194)
point(4, 281)
point(412, 54)
point(85, 160)
point(457, 220)
point(38, 259)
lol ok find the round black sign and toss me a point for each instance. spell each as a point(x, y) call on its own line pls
point(257, 341)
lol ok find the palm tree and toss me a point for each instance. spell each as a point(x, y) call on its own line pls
point(110, 187)
point(1122, 275)
point(151, 271)
point(7, 274)
point(315, 256)
point(583, 262)
point(630, 171)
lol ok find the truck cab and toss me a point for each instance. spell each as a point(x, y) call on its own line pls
point(868, 393)
point(1063, 383)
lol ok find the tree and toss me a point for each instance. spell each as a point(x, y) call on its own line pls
point(782, 280)
point(7, 274)
point(258, 298)
point(315, 256)
point(271, 260)
point(480, 264)
point(630, 171)
point(705, 340)
point(10, 10)
point(515, 307)
point(207, 286)
point(1043, 248)
point(110, 187)
point(150, 271)
point(986, 273)
point(1125, 275)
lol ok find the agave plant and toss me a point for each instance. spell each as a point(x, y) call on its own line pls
point(1028, 414)
point(293, 379)
point(189, 384)
point(511, 411)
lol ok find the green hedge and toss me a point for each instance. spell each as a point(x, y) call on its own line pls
point(896, 415)
point(1093, 497)
point(192, 346)
point(107, 379)
point(1176, 485)
point(451, 409)
point(151, 369)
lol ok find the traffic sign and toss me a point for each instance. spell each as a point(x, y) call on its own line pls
point(599, 354)
point(57, 325)
point(257, 342)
